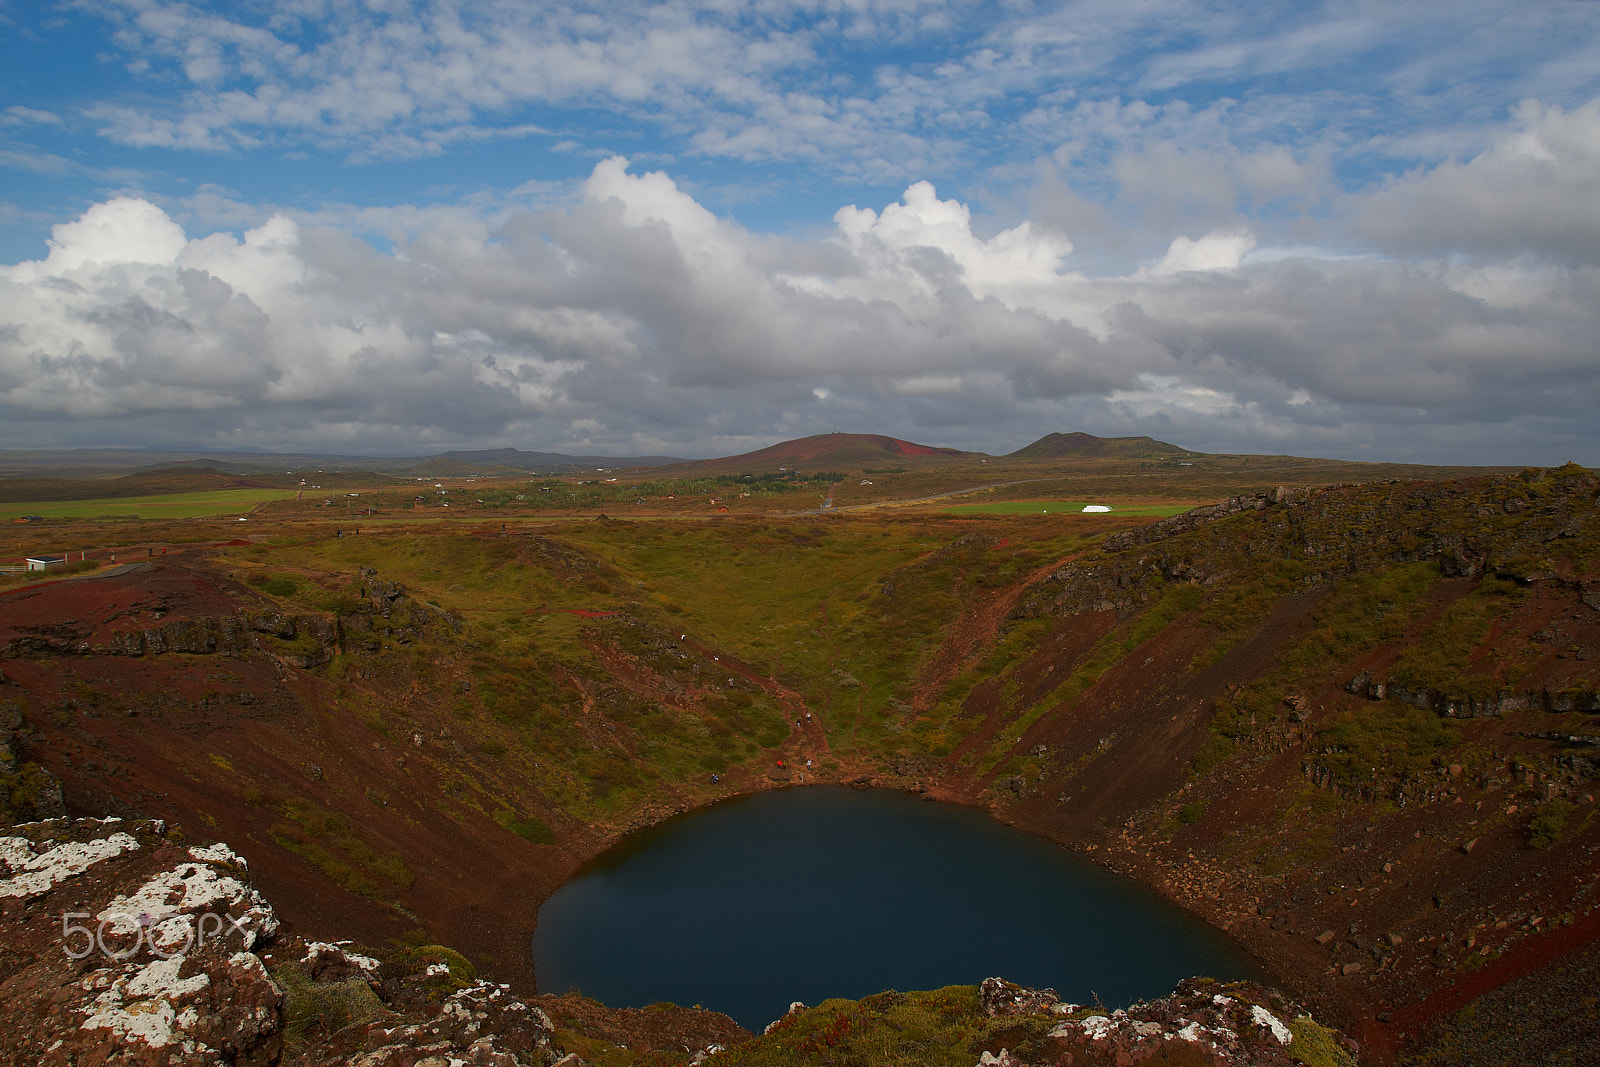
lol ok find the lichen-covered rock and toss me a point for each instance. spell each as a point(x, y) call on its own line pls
point(1237, 1024)
point(484, 1025)
point(123, 946)
point(325, 962)
point(1000, 997)
point(119, 945)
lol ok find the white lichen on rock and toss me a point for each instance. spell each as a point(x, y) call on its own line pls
point(1262, 1017)
point(323, 951)
point(39, 873)
point(160, 979)
point(218, 853)
point(142, 1004)
point(189, 889)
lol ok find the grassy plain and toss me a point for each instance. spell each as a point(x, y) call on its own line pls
point(161, 505)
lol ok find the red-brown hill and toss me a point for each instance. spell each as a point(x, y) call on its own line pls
point(846, 450)
point(1088, 446)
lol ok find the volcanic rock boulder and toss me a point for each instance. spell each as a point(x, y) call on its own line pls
point(118, 944)
point(1230, 1024)
point(121, 945)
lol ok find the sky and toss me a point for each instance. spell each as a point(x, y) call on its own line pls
point(397, 227)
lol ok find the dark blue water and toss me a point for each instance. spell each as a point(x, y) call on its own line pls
point(805, 894)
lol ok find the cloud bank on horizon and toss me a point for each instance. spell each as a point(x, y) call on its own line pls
point(1338, 229)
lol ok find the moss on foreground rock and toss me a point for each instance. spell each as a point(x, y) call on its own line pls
point(1006, 1025)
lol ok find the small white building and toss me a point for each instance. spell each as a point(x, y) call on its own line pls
point(44, 563)
point(1095, 509)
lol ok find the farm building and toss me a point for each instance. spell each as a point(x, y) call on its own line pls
point(44, 563)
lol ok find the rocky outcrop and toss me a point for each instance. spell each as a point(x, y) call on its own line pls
point(27, 790)
point(205, 635)
point(65, 638)
point(481, 1024)
point(1202, 1022)
point(120, 945)
point(1462, 707)
point(302, 640)
point(1313, 536)
point(557, 556)
point(1000, 1024)
point(123, 946)
point(1174, 525)
point(389, 616)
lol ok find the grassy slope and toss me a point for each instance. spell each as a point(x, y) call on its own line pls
point(844, 615)
point(163, 505)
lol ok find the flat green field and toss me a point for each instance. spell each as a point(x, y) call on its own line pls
point(1074, 507)
point(164, 506)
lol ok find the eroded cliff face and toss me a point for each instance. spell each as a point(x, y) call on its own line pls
point(158, 611)
point(1354, 727)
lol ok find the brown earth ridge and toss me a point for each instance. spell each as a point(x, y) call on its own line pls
point(1354, 727)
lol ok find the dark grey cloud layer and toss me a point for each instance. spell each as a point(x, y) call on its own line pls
point(1457, 321)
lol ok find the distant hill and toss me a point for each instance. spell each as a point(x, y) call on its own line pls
point(516, 461)
point(841, 450)
point(109, 464)
point(1088, 446)
point(182, 479)
point(116, 462)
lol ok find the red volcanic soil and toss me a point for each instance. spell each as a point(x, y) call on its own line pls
point(91, 609)
point(235, 744)
point(225, 743)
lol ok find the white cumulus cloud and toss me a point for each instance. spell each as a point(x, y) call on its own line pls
point(634, 320)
